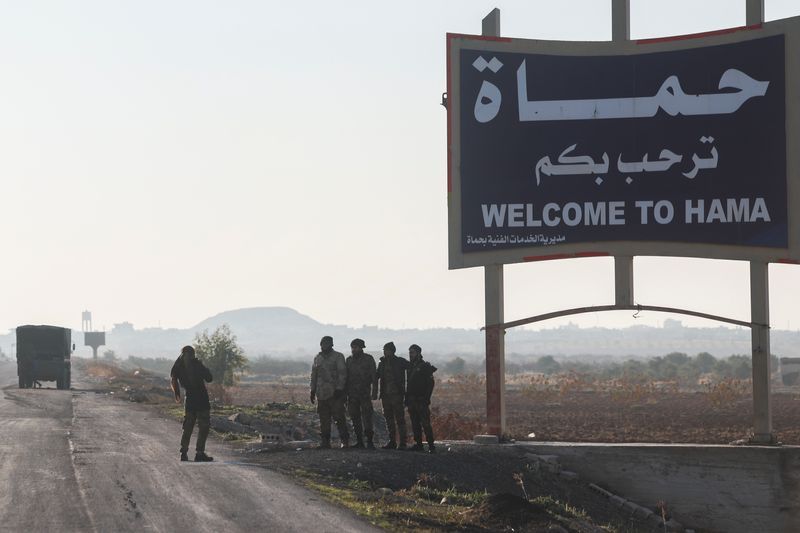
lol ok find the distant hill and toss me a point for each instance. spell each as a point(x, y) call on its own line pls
point(254, 319)
point(284, 332)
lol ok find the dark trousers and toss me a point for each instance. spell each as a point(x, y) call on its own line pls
point(332, 408)
point(395, 415)
point(203, 419)
point(360, 411)
point(420, 413)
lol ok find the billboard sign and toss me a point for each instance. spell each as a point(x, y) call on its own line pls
point(94, 338)
point(676, 147)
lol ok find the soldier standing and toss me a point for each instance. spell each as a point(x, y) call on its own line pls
point(328, 381)
point(191, 374)
point(362, 388)
point(418, 397)
point(392, 377)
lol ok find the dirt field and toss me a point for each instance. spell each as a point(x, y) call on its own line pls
point(505, 491)
point(627, 413)
point(569, 409)
point(459, 487)
point(678, 418)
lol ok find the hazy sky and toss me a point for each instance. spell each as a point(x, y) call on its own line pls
point(162, 161)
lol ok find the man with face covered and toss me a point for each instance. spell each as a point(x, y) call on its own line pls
point(328, 382)
point(191, 374)
point(418, 397)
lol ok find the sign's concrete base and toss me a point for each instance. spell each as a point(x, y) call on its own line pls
point(486, 439)
point(719, 488)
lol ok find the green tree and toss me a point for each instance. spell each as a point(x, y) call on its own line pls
point(221, 354)
point(669, 371)
point(741, 366)
point(455, 366)
point(676, 358)
point(704, 362)
point(548, 365)
point(632, 367)
point(667, 367)
point(723, 369)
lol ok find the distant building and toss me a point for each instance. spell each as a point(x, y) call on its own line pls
point(122, 328)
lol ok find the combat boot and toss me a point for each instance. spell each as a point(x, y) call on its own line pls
point(391, 445)
point(370, 444)
point(345, 444)
point(184, 456)
point(201, 457)
point(431, 448)
point(417, 447)
point(325, 444)
point(359, 442)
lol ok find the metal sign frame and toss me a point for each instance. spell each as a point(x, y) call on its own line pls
point(624, 252)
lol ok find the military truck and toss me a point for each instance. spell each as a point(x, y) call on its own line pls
point(43, 354)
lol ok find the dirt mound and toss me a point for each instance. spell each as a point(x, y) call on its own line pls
point(135, 385)
point(100, 369)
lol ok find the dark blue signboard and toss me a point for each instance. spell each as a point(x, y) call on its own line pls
point(684, 146)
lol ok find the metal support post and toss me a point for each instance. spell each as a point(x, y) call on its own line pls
point(754, 12)
point(623, 280)
point(490, 25)
point(495, 334)
point(759, 316)
point(620, 20)
point(623, 265)
point(495, 351)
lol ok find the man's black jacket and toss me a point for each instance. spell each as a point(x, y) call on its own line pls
point(193, 375)
point(420, 379)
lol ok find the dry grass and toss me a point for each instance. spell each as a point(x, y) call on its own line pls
point(568, 407)
point(727, 391)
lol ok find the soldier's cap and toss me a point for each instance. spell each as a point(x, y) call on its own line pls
point(326, 338)
point(187, 350)
point(416, 348)
point(358, 342)
point(389, 346)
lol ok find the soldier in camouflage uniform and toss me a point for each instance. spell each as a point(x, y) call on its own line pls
point(392, 378)
point(362, 388)
point(418, 397)
point(328, 381)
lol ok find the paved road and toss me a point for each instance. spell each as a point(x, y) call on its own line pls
point(81, 461)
